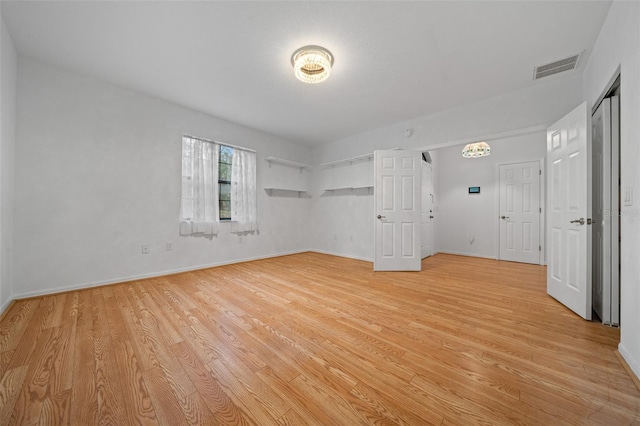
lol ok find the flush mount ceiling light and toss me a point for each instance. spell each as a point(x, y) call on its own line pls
point(478, 149)
point(312, 64)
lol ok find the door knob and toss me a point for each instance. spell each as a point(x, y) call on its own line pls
point(430, 217)
point(504, 217)
point(381, 217)
point(580, 221)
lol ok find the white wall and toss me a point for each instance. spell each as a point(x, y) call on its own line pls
point(98, 174)
point(343, 222)
point(461, 215)
point(618, 45)
point(8, 74)
point(538, 106)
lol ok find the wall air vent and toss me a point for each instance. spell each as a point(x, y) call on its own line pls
point(556, 67)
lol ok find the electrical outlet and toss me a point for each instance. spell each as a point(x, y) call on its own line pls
point(168, 246)
point(239, 239)
point(145, 249)
point(351, 238)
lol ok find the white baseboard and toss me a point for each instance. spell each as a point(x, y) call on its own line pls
point(431, 255)
point(460, 253)
point(348, 256)
point(633, 364)
point(143, 276)
point(5, 305)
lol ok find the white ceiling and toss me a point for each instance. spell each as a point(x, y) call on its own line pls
point(393, 60)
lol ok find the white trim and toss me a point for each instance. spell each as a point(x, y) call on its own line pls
point(151, 275)
point(460, 253)
point(633, 364)
point(496, 222)
point(6, 304)
point(348, 256)
point(543, 215)
point(431, 255)
point(608, 89)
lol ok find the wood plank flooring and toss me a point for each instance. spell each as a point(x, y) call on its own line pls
point(313, 339)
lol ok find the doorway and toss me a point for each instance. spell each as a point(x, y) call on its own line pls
point(520, 212)
point(605, 132)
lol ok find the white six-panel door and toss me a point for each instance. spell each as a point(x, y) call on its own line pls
point(397, 209)
point(568, 211)
point(520, 212)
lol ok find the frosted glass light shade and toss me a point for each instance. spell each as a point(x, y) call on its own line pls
point(312, 64)
point(478, 149)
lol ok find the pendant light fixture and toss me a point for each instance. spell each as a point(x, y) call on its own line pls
point(478, 149)
point(312, 64)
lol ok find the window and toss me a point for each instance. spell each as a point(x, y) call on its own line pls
point(218, 184)
point(225, 163)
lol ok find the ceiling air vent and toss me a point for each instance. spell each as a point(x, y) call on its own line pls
point(556, 67)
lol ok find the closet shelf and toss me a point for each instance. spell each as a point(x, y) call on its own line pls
point(299, 191)
point(289, 163)
point(348, 187)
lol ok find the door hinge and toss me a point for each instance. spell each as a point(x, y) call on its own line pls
point(539, 248)
point(540, 209)
point(540, 172)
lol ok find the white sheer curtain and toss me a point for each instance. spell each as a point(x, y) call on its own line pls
point(244, 215)
point(199, 209)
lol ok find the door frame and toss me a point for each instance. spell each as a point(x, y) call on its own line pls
point(611, 88)
point(543, 205)
point(431, 242)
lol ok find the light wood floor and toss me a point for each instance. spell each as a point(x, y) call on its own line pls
point(313, 339)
